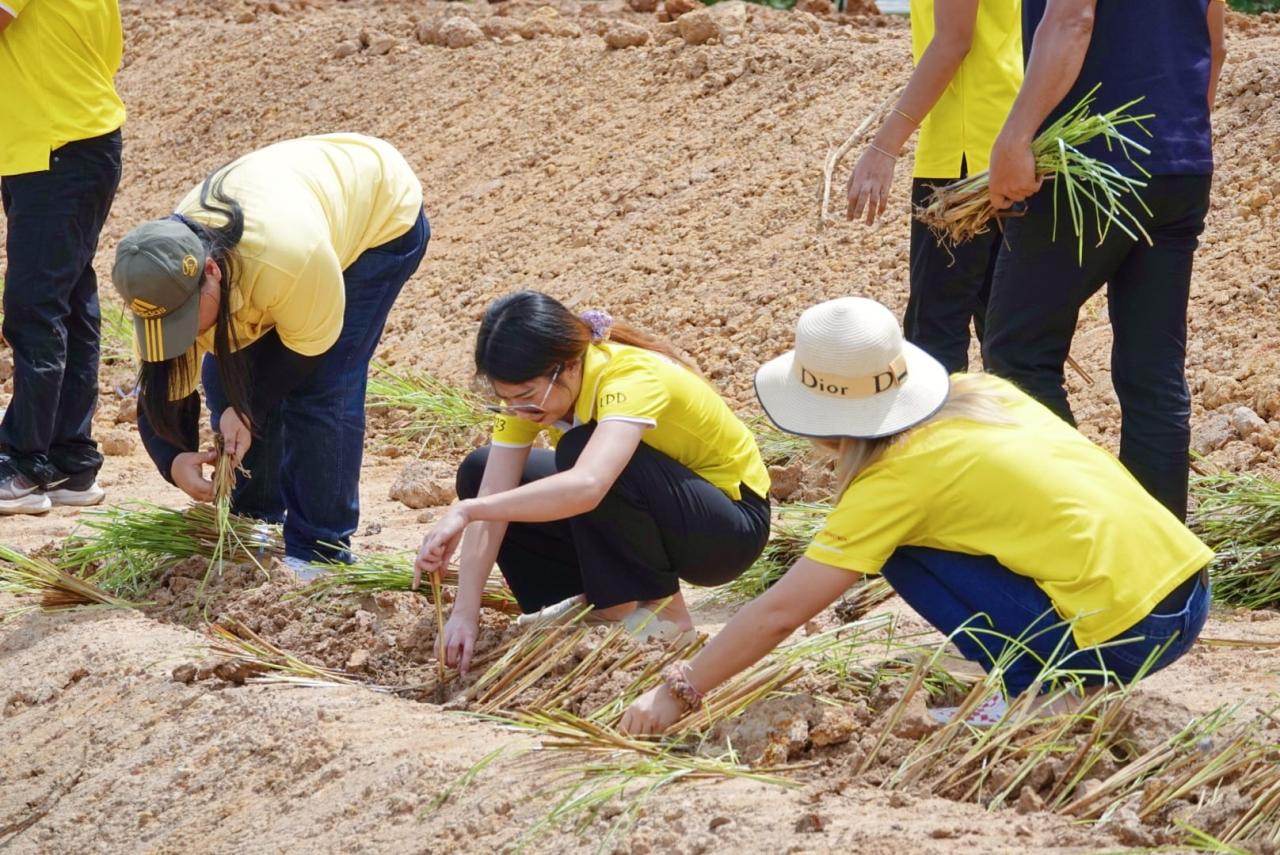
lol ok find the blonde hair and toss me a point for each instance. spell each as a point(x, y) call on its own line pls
point(971, 398)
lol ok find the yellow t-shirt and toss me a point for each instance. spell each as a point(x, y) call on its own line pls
point(1039, 497)
point(687, 420)
point(311, 207)
point(968, 117)
point(57, 61)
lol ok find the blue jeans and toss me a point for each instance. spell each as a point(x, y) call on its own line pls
point(975, 600)
point(51, 314)
point(305, 460)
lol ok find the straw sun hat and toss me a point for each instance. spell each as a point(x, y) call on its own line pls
point(851, 374)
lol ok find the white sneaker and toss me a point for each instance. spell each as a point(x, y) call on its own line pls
point(88, 497)
point(305, 570)
point(32, 503)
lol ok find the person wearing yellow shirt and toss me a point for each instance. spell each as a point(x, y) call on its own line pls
point(651, 479)
point(60, 148)
point(968, 57)
point(1026, 544)
point(271, 285)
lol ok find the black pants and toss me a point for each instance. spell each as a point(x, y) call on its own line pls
point(1036, 297)
point(51, 315)
point(660, 523)
point(949, 287)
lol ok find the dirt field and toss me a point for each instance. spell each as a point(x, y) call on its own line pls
point(673, 184)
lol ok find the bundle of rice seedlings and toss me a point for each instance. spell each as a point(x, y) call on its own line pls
point(959, 211)
point(431, 410)
point(57, 589)
point(777, 447)
point(1238, 516)
point(373, 572)
point(249, 654)
point(793, 527)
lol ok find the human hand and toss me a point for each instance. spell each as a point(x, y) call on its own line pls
point(869, 185)
point(236, 436)
point(458, 642)
point(440, 543)
point(187, 473)
point(652, 713)
point(1012, 171)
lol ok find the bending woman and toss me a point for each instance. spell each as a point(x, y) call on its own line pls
point(989, 515)
point(652, 479)
point(272, 284)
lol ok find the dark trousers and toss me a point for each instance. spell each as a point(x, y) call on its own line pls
point(994, 615)
point(949, 287)
point(51, 315)
point(1036, 297)
point(305, 459)
point(660, 523)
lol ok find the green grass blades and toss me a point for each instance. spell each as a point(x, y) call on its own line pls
point(429, 412)
point(56, 587)
point(1238, 516)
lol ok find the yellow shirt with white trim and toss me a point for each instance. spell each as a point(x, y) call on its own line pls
point(1038, 496)
point(58, 59)
point(687, 420)
point(311, 207)
point(968, 117)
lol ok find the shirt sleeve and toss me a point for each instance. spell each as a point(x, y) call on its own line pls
point(512, 432)
point(307, 307)
point(163, 452)
point(633, 394)
point(875, 516)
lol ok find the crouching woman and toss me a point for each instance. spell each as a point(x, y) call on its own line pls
point(651, 479)
point(990, 516)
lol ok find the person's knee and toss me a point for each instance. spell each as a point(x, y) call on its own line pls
point(471, 473)
point(570, 447)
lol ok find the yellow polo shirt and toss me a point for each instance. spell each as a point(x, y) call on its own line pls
point(686, 419)
point(968, 117)
point(57, 61)
point(1039, 497)
point(311, 207)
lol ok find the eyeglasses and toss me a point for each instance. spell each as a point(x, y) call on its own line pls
point(527, 409)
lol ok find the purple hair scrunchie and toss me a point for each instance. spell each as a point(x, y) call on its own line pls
point(600, 323)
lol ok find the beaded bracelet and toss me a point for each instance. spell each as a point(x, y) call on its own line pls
point(676, 677)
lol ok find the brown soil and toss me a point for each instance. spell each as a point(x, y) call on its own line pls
point(674, 184)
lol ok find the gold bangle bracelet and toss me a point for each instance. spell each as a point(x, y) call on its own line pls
point(875, 147)
point(906, 116)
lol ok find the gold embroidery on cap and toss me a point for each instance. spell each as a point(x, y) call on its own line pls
point(189, 265)
point(143, 309)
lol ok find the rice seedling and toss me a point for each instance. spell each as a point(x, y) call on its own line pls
point(57, 588)
point(429, 409)
point(373, 572)
point(117, 333)
point(792, 529)
point(1238, 516)
point(250, 654)
point(777, 447)
point(958, 211)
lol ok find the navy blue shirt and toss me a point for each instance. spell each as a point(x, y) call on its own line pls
point(1155, 49)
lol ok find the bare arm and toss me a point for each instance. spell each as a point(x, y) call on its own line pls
point(760, 626)
point(953, 22)
point(480, 547)
point(1218, 46)
point(1057, 54)
point(5, 18)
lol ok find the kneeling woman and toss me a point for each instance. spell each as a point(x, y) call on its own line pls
point(278, 271)
point(990, 516)
point(652, 478)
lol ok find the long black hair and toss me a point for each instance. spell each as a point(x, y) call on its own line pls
point(158, 381)
point(529, 334)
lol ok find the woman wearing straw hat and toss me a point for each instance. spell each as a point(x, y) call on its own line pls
point(278, 271)
point(652, 479)
point(991, 517)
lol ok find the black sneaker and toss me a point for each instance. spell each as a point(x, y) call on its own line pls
point(18, 493)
